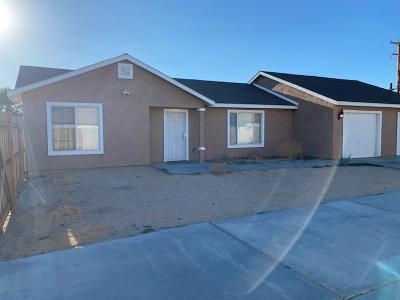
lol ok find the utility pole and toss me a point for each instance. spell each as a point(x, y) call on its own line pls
point(398, 64)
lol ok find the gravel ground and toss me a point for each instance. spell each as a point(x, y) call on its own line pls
point(63, 209)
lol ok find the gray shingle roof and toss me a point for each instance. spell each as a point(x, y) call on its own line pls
point(341, 89)
point(233, 92)
point(220, 92)
point(31, 74)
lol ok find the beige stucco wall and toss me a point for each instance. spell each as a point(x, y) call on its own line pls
point(313, 121)
point(126, 119)
point(278, 129)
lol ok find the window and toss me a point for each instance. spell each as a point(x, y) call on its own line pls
point(245, 129)
point(125, 71)
point(74, 128)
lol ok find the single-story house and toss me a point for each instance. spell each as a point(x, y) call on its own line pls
point(122, 112)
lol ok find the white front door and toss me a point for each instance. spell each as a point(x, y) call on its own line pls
point(361, 134)
point(176, 135)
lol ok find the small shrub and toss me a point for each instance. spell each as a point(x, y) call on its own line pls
point(344, 161)
point(225, 157)
point(255, 156)
point(291, 150)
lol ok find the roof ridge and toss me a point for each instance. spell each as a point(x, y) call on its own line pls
point(219, 81)
point(30, 66)
point(315, 76)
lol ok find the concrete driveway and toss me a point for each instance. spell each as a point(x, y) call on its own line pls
point(341, 249)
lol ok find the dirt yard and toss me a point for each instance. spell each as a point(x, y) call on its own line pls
point(59, 210)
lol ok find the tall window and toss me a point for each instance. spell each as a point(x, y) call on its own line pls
point(74, 128)
point(245, 129)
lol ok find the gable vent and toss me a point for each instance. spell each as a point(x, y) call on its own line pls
point(125, 71)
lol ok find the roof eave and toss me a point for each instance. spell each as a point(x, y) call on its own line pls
point(254, 106)
point(367, 104)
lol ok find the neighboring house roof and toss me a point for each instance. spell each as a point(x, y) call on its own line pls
point(31, 74)
point(338, 91)
point(232, 94)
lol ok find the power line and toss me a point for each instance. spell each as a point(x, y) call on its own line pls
point(397, 43)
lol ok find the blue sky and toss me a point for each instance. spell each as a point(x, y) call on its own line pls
point(216, 40)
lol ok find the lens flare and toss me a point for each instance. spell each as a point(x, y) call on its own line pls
point(4, 17)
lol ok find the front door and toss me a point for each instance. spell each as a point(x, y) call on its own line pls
point(176, 135)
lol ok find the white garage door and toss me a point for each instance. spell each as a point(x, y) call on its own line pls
point(361, 134)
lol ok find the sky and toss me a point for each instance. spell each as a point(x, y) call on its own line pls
point(213, 40)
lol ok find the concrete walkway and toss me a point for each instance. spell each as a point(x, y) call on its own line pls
point(192, 168)
point(388, 162)
point(342, 249)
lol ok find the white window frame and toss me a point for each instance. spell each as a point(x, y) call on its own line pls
point(50, 150)
point(125, 65)
point(262, 123)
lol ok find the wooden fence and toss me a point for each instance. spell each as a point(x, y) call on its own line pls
point(12, 162)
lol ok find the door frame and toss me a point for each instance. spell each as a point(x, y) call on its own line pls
point(378, 142)
point(186, 111)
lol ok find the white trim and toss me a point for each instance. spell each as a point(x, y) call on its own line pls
point(365, 104)
point(228, 121)
point(50, 151)
point(229, 105)
point(379, 129)
point(186, 111)
point(104, 63)
point(398, 134)
point(275, 94)
point(322, 97)
point(122, 76)
point(254, 77)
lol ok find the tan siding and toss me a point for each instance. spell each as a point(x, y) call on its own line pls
point(313, 120)
point(194, 134)
point(156, 134)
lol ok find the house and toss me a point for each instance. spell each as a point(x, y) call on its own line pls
point(121, 112)
point(338, 117)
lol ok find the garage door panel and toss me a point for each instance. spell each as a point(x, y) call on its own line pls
point(361, 136)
